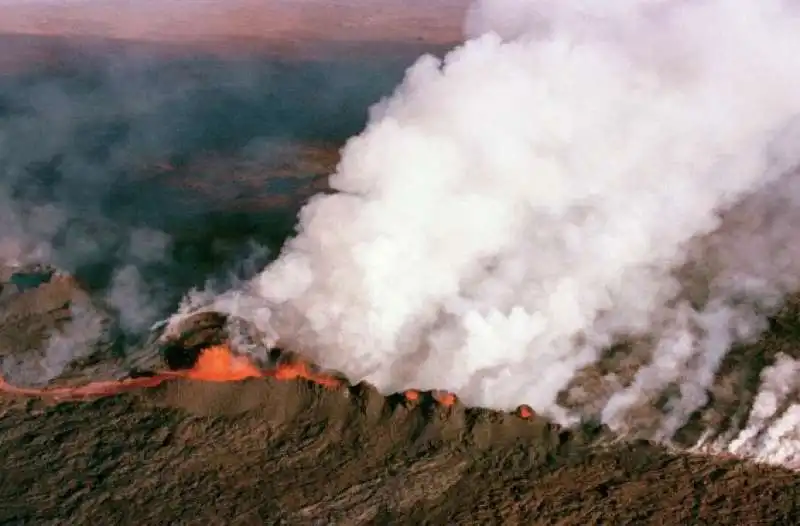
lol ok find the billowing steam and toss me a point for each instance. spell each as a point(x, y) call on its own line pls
point(772, 433)
point(575, 177)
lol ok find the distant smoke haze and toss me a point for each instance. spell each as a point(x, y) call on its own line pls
point(143, 171)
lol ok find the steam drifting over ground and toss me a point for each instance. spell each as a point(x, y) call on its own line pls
point(572, 179)
point(107, 148)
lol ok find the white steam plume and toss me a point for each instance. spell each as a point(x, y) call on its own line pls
point(772, 432)
point(514, 210)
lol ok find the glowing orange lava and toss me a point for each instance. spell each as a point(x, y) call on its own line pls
point(411, 395)
point(219, 364)
point(292, 371)
point(525, 411)
point(214, 364)
point(445, 398)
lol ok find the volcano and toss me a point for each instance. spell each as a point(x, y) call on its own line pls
point(283, 442)
point(270, 438)
point(141, 160)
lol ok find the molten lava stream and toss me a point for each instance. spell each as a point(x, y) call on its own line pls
point(90, 390)
point(214, 364)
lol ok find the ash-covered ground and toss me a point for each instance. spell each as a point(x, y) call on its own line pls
point(130, 176)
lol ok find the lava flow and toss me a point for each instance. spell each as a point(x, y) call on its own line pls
point(213, 364)
point(90, 390)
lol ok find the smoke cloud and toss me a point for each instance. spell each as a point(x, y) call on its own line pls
point(573, 179)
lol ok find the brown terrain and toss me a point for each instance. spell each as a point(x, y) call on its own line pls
point(225, 137)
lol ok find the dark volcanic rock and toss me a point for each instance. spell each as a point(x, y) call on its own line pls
point(271, 452)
